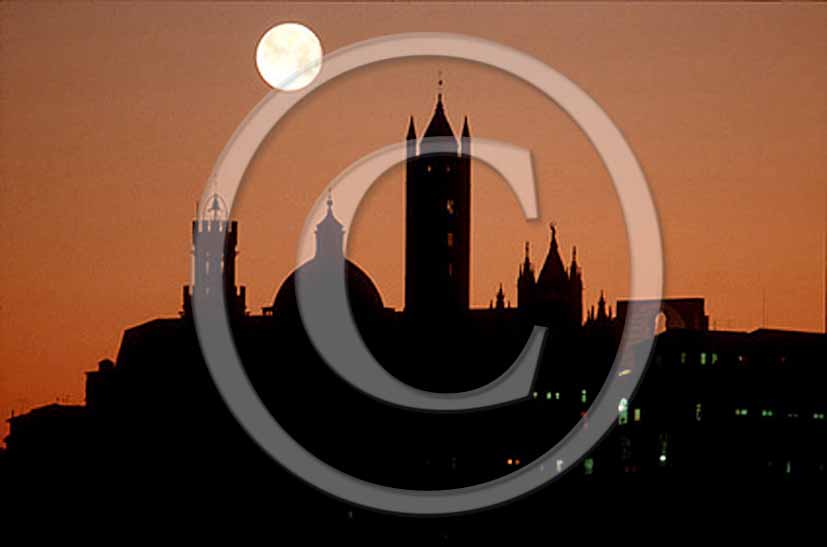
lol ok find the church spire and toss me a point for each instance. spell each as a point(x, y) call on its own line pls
point(526, 267)
point(553, 276)
point(574, 268)
point(439, 126)
point(411, 130)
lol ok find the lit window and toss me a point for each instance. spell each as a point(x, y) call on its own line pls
point(449, 206)
point(583, 397)
point(534, 395)
point(663, 447)
point(588, 466)
point(429, 168)
point(714, 358)
point(450, 239)
point(767, 413)
point(703, 358)
point(623, 412)
point(740, 411)
point(509, 461)
point(683, 357)
point(637, 414)
point(556, 395)
point(698, 412)
point(548, 395)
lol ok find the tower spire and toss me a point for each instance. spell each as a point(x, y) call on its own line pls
point(411, 130)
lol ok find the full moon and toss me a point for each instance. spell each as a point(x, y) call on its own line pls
point(289, 56)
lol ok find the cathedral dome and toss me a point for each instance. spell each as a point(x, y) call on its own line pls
point(364, 297)
point(365, 300)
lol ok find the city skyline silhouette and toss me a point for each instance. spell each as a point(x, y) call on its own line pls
point(115, 137)
point(103, 374)
point(717, 409)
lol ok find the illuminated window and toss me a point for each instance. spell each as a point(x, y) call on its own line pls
point(449, 206)
point(548, 395)
point(637, 414)
point(509, 461)
point(818, 416)
point(683, 357)
point(698, 412)
point(703, 358)
point(556, 395)
point(450, 239)
point(583, 397)
point(740, 411)
point(714, 358)
point(588, 466)
point(534, 395)
point(767, 413)
point(623, 412)
point(663, 447)
point(429, 168)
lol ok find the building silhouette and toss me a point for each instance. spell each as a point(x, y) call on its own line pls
point(715, 408)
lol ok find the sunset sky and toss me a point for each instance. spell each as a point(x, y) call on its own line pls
point(112, 116)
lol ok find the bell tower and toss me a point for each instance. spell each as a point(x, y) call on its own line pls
point(437, 218)
point(210, 269)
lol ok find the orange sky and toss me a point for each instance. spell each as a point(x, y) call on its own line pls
point(111, 117)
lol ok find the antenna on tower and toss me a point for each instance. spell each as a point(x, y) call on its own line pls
point(440, 84)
